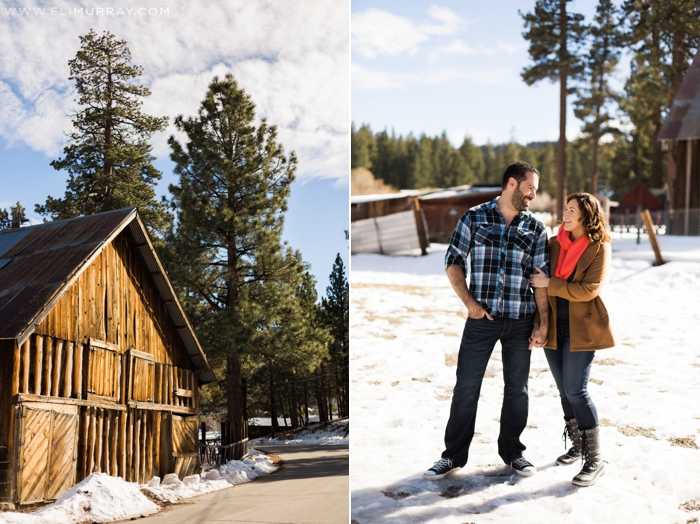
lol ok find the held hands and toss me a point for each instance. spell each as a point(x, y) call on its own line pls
point(539, 279)
point(538, 338)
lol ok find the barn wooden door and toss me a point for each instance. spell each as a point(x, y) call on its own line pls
point(48, 436)
point(185, 445)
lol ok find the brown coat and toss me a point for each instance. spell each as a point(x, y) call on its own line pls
point(589, 324)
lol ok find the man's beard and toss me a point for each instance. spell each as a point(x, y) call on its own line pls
point(519, 201)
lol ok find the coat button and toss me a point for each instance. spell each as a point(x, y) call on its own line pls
point(588, 315)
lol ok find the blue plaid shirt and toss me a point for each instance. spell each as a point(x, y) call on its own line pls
point(502, 259)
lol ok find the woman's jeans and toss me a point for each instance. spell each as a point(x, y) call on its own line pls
point(571, 371)
point(478, 340)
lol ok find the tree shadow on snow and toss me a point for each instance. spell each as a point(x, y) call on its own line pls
point(378, 505)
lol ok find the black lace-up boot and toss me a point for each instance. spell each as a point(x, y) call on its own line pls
point(571, 430)
point(593, 466)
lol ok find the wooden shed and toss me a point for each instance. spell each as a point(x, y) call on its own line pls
point(100, 366)
point(444, 208)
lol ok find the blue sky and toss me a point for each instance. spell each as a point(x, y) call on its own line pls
point(291, 58)
point(451, 66)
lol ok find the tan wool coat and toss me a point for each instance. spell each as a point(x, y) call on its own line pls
point(589, 324)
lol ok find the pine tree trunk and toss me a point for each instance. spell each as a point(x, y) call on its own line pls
point(306, 402)
point(234, 393)
point(593, 182)
point(561, 147)
point(293, 407)
point(273, 411)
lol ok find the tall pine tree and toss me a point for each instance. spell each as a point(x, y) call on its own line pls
point(227, 254)
point(336, 314)
point(555, 37)
point(108, 159)
point(595, 95)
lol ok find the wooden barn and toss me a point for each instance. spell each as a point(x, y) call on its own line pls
point(100, 366)
point(681, 131)
point(638, 197)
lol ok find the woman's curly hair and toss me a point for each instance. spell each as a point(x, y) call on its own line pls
point(592, 217)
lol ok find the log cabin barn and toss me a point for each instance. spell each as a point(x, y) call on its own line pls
point(100, 366)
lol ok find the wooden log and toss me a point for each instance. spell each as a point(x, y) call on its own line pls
point(157, 445)
point(144, 449)
point(57, 365)
point(122, 445)
point(102, 434)
point(25, 365)
point(85, 424)
point(48, 360)
point(38, 358)
point(91, 441)
point(170, 384)
point(113, 441)
point(137, 447)
point(68, 370)
point(99, 439)
point(149, 417)
point(78, 370)
point(156, 392)
point(16, 362)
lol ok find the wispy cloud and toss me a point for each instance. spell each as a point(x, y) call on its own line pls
point(377, 32)
point(292, 59)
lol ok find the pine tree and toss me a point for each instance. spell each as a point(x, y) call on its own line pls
point(336, 314)
point(108, 159)
point(362, 147)
point(555, 37)
point(595, 94)
point(14, 218)
point(227, 254)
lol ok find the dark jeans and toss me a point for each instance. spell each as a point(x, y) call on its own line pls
point(571, 371)
point(478, 340)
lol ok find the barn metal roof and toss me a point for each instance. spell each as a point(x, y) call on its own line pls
point(683, 122)
point(39, 263)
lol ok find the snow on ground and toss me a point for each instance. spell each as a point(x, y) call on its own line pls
point(334, 432)
point(406, 324)
point(101, 498)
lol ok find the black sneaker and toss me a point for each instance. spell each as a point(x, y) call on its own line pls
point(440, 469)
point(523, 467)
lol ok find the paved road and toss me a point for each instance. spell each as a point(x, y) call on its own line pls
point(311, 488)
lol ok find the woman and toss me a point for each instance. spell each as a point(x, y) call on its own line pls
point(578, 325)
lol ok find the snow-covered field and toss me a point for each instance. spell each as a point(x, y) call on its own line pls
point(335, 432)
point(101, 498)
point(405, 328)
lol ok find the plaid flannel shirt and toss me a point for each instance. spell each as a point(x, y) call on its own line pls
point(502, 259)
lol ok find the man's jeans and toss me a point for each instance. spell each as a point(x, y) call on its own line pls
point(478, 340)
point(571, 371)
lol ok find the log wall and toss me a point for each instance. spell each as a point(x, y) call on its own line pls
point(109, 351)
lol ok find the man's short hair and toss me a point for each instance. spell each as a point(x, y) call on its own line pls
point(518, 171)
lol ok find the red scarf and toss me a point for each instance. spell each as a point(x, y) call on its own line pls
point(570, 253)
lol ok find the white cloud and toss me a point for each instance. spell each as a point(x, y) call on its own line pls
point(450, 22)
point(291, 58)
point(457, 47)
point(378, 32)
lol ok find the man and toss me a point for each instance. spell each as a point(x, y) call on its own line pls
point(506, 244)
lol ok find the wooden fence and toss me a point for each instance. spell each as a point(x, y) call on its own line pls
point(232, 445)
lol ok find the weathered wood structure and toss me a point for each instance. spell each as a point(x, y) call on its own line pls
point(681, 131)
point(100, 366)
point(444, 208)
